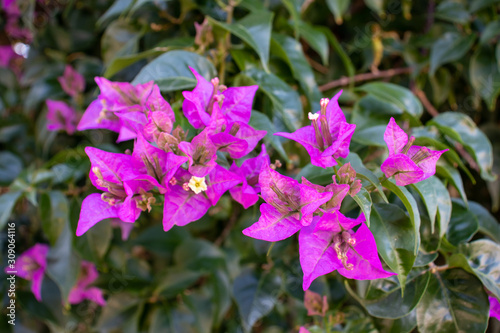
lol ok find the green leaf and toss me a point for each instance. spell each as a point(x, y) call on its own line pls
point(119, 63)
point(32, 307)
point(480, 4)
point(221, 295)
point(119, 7)
point(255, 295)
point(376, 5)
point(255, 30)
point(316, 40)
point(200, 255)
point(410, 204)
point(338, 8)
point(119, 39)
point(162, 243)
point(453, 12)
point(454, 301)
point(364, 201)
point(461, 128)
point(291, 52)
point(488, 225)
point(444, 207)
point(450, 47)
point(339, 50)
point(7, 202)
point(402, 98)
point(406, 324)
point(485, 74)
point(426, 191)
point(170, 70)
point(370, 136)
point(175, 281)
point(286, 101)
point(463, 224)
point(260, 121)
point(424, 259)
point(10, 167)
point(483, 259)
point(492, 30)
point(383, 296)
point(315, 174)
point(99, 238)
point(395, 237)
point(54, 210)
point(120, 308)
point(363, 173)
point(63, 266)
point(452, 175)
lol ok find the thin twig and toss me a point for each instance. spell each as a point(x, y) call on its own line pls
point(317, 66)
point(427, 104)
point(229, 226)
point(344, 81)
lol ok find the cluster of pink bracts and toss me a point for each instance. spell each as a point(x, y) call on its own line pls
point(184, 173)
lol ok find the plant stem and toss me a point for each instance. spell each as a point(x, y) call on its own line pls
point(344, 81)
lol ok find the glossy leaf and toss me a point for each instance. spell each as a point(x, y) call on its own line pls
point(483, 259)
point(485, 74)
point(62, 265)
point(338, 8)
point(286, 101)
point(316, 39)
point(383, 297)
point(480, 4)
point(426, 190)
point(453, 176)
point(454, 301)
point(291, 52)
point(261, 122)
point(10, 167)
point(315, 174)
point(402, 98)
point(255, 30)
point(364, 201)
point(488, 225)
point(175, 281)
point(119, 63)
point(450, 47)
point(395, 237)
point(463, 224)
point(461, 128)
point(339, 50)
point(491, 31)
point(7, 202)
point(170, 70)
point(54, 210)
point(255, 296)
point(453, 12)
point(410, 204)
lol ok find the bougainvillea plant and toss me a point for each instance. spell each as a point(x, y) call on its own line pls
point(246, 166)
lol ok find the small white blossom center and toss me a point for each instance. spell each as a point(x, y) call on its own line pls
point(313, 116)
point(197, 184)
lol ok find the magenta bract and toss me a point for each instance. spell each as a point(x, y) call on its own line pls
point(82, 290)
point(329, 135)
point(407, 163)
point(330, 244)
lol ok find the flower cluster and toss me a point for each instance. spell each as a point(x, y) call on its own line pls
point(166, 164)
point(182, 173)
point(60, 115)
point(328, 240)
point(31, 266)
